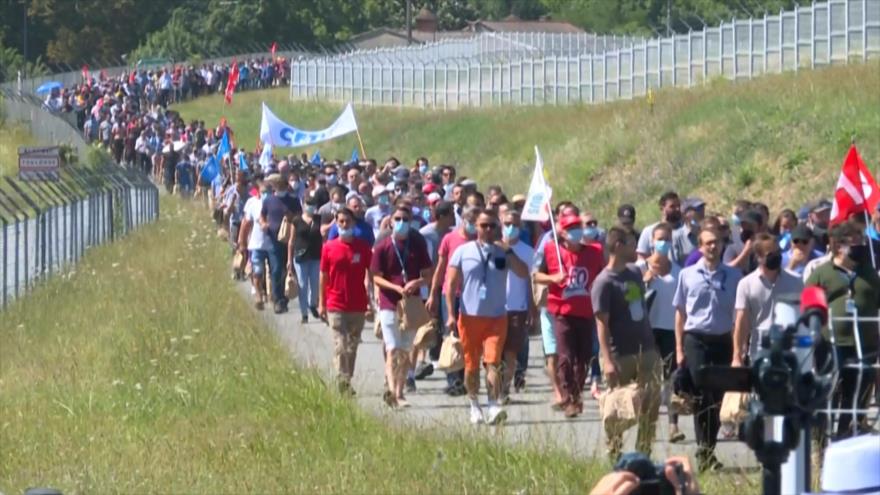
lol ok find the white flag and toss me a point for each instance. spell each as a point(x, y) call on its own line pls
point(537, 207)
point(266, 157)
point(278, 133)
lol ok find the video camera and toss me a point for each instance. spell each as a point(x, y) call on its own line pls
point(652, 477)
point(788, 389)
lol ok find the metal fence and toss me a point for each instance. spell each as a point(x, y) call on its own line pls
point(48, 225)
point(28, 111)
point(512, 69)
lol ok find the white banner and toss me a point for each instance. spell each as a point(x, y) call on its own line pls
point(278, 133)
point(537, 207)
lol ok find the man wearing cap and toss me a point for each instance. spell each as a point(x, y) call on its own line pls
point(739, 255)
point(800, 250)
point(819, 220)
point(569, 269)
point(382, 208)
point(626, 218)
point(670, 212)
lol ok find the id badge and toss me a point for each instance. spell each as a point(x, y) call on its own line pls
point(482, 293)
point(850, 306)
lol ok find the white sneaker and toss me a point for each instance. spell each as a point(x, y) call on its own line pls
point(476, 415)
point(497, 415)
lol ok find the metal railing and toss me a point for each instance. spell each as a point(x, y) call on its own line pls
point(516, 71)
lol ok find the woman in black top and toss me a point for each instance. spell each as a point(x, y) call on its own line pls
point(304, 255)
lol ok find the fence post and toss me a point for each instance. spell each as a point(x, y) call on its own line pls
point(813, 35)
point(766, 45)
point(845, 31)
point(864, 30)
point(797, 39)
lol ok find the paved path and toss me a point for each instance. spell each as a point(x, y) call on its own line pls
point(530, 418)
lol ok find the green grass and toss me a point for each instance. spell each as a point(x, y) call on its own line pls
point(722, 142)
point(11, 137)
point(143, 370)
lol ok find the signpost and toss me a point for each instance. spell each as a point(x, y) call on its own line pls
point(39, 163)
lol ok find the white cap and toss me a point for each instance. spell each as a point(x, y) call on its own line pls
point(468, 183)
point(852, 464)
point(433, 198)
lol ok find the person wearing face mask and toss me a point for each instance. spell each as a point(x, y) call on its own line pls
point(740, 255)
point(362, 229)
point(382, 209)
point(520, 304)
point(625, 338)
point(276, 208)
point(852, 287)
point(400, 267)
point(592, 232)
point(342, 294)
point(660, 275)
point(436, 303)
point(304, 256)
point(328, 211)
point(800, 250)
point(756, 294)
point(670, 212)
point(568, 269)
point(252, 238)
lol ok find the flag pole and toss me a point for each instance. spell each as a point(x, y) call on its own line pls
point(360, 142)
point(870, 241)
point(555, 235)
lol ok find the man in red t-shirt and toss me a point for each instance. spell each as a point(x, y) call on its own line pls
point(342, 294)
point(568, 302)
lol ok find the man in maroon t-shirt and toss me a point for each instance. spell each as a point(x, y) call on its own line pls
point(342, 294)
point(400, 267)
point(568, 302)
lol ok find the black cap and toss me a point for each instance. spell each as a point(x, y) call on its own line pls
point(801, 233)
point(626, 214)
point(822, 205)
point(752, 216)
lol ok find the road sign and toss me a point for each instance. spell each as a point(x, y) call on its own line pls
point(39, 163)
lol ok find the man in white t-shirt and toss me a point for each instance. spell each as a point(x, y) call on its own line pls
point(253, 237)
point(521, 309)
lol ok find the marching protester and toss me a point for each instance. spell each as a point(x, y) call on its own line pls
point(480, 268)
point(400, 267)
point(704, 300)
point(568, 268)
point(626, 340)
point(304, 257)
point(342, 294)
point(279, 209)
point(254, 239)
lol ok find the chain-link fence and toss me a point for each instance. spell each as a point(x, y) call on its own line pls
point(49, 224)
point(531, 69)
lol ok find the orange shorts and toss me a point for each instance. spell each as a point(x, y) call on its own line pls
point(482, 339)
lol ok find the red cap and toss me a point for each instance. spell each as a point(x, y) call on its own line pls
point(429, 188)
point(567, 221)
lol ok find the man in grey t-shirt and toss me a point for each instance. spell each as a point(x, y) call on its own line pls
point(626, 341)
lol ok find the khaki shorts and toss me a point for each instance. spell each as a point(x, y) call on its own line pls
point(346, 323)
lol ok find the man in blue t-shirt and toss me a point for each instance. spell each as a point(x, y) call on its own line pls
point(362, 229)
point(275, 208)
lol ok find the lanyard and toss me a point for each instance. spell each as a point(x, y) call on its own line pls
point(401, 258)
point(484, 261)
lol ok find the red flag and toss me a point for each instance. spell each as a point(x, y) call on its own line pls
point(230, 84)
point(856, 192)
point(85, 73)
point(274, 47)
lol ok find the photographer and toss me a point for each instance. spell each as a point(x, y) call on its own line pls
point(625, 482)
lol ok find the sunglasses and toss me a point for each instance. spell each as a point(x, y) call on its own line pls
point(400, 219)
point(800, 241)
point(488, 226)
point(592, 223)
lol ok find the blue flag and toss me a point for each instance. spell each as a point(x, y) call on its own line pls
point(316, 158)
point(354, 155)
point(224, 148)
point(242, 162)
point(210, 170)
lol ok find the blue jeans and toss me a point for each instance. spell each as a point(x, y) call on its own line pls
point(307, 273)
point(278, 270)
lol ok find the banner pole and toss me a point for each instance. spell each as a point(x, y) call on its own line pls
point(360, 142)
point(555, 235)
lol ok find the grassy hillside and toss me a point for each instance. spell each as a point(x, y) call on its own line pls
point(144, 371)
point(780, 138)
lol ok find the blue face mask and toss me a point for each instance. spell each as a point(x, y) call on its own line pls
point(470, 228)
point(511, 232)
point(401, 227)
point(662, 247)
point(423, 169)
point(415, 224)
point(575, 235)
point(311, 210)
point(346, 233)
point(264, 195)
point(426, 214)
point(384, 200)
point(591, 233)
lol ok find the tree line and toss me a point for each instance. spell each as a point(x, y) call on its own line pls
point(65, 34)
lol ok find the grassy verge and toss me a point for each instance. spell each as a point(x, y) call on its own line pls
point(144, 371)
point(722, 141)
point(11, 137)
